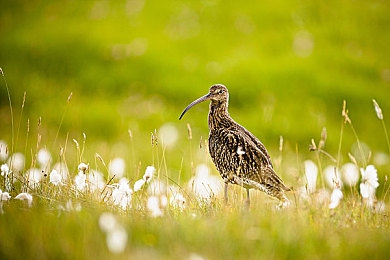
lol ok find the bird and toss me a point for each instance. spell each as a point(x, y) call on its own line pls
point(238, 155)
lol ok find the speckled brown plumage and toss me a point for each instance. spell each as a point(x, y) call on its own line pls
point(237, 154)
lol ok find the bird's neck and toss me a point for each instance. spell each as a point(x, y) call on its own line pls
point(218, 115)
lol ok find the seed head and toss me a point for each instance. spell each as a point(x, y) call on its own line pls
point(378, 110)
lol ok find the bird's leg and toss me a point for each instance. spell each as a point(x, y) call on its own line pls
point(248, 200)
point(226, 193)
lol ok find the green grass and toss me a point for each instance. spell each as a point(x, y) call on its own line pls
point(214, 234)
point(49, 50)
point(64, 223)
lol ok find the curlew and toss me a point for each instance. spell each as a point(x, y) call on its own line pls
point(238, 155)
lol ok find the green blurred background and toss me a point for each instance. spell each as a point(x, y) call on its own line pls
point(136, 64)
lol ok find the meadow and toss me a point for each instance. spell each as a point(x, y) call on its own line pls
point(95, 163)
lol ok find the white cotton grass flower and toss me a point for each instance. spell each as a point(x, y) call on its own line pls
point(368, 184)
point(335, 198)
point(332, 177)
point(149, 173)
point(4, 169)
point(367, 191)
point(83, 167)
point(370, 176)
point(204, 185)
point(5, 172)
point(25, 196)
point(311, 172)
point(117, 167)
point(153, 206)
point(117, 236)
point(138, 185)
point(146, 179)
point(4, 196)
point(117, 240)
point(3, 151)
point(17, 161)
point(107, 222)
point(34, 176)
point(168, 134)
point(55, 178)
point(350, 174)
point(80, 181)
point(62, 169)
point(43, 158)
point(122, 194)
point(96, 181)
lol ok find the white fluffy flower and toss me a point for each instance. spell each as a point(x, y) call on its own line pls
point(116, 235)
point(62, 169)
point(204, 185)
point(34, 176)
point(122, 194)
point(332, 177)
point(169, 134)
point(4, 196)
point(107, 222)
point(96, 181)
point(153, 206)
point(350, 174)
point(43, 157)
point(311, 172)
point(370, 176)
point(55, 178)
point(138, 185)
point(369, 184)
point(335, 198)
point(149, 172)
point(83, 167)
point(117, 167)
point(4, 169)
point(17, 161)
point(3, 150)
point(80, 181)
point(367, 191)
point(25, 196)
point(117, 240)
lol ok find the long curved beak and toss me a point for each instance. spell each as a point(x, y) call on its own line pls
point(193, 103)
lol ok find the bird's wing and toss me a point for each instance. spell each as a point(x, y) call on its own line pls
point(244, 153)
point(255, 153)
point(256, 143)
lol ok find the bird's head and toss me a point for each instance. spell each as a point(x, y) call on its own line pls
point(218, 93)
